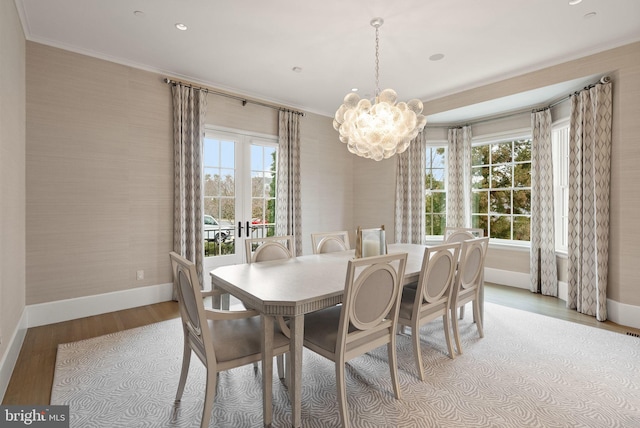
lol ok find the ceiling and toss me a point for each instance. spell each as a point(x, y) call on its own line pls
point(251, 47)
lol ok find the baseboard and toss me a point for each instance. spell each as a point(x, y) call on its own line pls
point(65, 310)
point(505, 277)
point(619, 313)
point(11, 355)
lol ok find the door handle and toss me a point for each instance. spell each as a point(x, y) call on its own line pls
point(248, 231)
point(240, 229)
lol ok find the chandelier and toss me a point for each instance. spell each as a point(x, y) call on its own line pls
point(378, 130)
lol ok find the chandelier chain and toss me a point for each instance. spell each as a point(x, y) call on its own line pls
point(377, 61)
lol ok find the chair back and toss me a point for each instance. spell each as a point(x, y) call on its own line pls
point(329, 242)
point(438, 272)
point(270, 248)
point(191, 305)
point(459, 234)
point(471, 265)
point(371, 301)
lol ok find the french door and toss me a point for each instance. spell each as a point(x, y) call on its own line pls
point(239, 187)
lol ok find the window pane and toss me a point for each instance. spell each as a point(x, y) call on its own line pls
point(435, 189)
point(211, 152)
point(522, 150)
point(521, 228)
point(438, 157)
point(501, 153)
point(480, 202)
point(211, 182)
point(439, 202)
point(500, 201)
point(482, 222)
point(227, 154)
point(437, 179)
point(439, 222)
point(227, 184)
point(522, 175)
point(501, 176)
point(480, 155)
point(428, 224)
point(522, 202)
point(500, 227)
point(480, 177)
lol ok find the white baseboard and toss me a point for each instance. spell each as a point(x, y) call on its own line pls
point(11, 355)
point(619, 313)
point(80, 307)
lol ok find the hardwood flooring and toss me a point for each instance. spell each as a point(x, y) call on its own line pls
point(33, 374)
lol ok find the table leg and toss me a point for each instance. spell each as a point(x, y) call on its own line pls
point(267, 369)
point(296, 326)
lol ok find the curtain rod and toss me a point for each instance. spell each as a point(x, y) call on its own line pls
point(603, 79)
point(235, 97)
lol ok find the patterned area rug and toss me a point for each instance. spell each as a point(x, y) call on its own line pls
point(528, 371)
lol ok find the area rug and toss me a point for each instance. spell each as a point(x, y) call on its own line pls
point(528, 371)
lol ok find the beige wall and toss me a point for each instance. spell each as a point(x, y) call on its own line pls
point(100, 173)
point(623, 66)
point(12, 173)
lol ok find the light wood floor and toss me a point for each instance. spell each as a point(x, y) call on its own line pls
point(33, 375)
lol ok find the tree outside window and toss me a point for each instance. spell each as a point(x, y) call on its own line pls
point(501, 189)
point(435, 190)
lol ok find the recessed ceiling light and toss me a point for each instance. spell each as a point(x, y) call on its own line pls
point(297, 69)
point(436, 57)
point(138, 13)
point(181, 27)
point(574, 2)
point(354, 89)
point(590, 15)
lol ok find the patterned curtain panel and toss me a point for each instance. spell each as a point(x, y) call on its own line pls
point(288, 212)
point(409, 215)
point(589, 176)
point(544, 272)
point(459, 177)
point(189, 109)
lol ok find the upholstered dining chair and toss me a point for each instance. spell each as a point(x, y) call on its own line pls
point(366, 319)
point(459, 234)
point(269, 248)
point(264, 250)
point(328, 242)
point(222, 340)
point(432, 297)
point(469, 282)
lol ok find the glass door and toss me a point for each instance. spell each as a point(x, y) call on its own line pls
point(239, 186)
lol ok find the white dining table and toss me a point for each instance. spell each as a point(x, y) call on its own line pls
point(293, 288)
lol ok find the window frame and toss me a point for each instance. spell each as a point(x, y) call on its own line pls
point(436, 144)
point(561, 183)
point(496, 138)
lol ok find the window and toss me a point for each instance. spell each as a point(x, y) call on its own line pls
point(435, 190)
point(560, 141)
point(501, 188)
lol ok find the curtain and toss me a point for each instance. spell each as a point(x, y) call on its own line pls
point(189, 109)
point(459, 177)
point(288, 212)
point(589, 177)
point(409, 212)
point(544, 272)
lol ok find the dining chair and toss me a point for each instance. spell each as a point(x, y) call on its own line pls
point(432, 297)
point(221, 339)
point(329, 242)
point(468, 283)
point(264, 250)
point(366, 319)
point(459, 234)
point(269, 248)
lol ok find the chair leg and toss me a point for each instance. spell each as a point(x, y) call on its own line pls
point(186, 359)
point(462, 312)
point(393, 364)
point(209, 398)
point(280, 363)
point(415, 337)
point(476, 315)
point(456, 333)
point(342, 393)
point(446, 323)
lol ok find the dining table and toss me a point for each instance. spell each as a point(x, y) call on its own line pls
point(292, 288)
